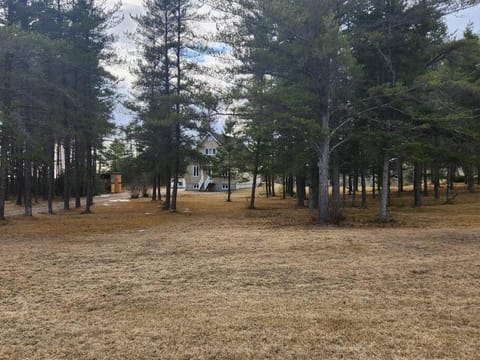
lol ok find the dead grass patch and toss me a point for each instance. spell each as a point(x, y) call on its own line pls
point(215, 280)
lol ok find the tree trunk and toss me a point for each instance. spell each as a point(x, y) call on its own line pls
point(470, 179)
point(89, 178)
point(229, 184)
point(425, 181)
point(154, 188)
point(94, 172)
point(323, 170)
point(291, 193)
point(478, 174)
point(449, 187)
point(4, 133)
point(374, 195)
point(300, 181)
point(35, 182)
point(354, 190)
point(51, 177)
point(350, 184)
point(27, 176)
point(336, 204)
point(272, 183)
point(451, 176)
point(417, 184)
point(178, 49)
point(168, 189)
point(255, 173)
point(267, 186)
point(355, 179)
point(384, 190)
point(436, 181)
point(176, 170)
point(400, 177)
point(159, 182)
point(364, 189)
point(313, 193)
point(3, 172)
point(19, 177)
point(44, 175)
point(78, 173)
point(67, 173)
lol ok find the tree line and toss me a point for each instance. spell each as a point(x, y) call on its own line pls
point(322, 94)
point(325, 93)
point(56, 99)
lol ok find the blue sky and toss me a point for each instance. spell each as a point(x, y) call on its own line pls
point(457, 22)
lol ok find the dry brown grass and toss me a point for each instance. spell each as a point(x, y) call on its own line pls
point(218, 281)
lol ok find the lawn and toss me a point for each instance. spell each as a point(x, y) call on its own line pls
point(218, 281)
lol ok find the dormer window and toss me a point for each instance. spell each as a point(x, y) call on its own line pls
point(210, 151)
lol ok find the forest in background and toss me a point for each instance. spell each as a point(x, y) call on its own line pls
point(321, 93)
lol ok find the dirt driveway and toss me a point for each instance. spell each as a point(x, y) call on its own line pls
point(41, 206)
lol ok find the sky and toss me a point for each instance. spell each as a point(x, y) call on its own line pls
point(126, 50)
point(125, 47)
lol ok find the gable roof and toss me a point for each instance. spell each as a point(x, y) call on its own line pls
point(216, 137)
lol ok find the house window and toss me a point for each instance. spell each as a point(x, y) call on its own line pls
point(210, 151)
point(224, 186)
point(196, 170)
point(195, 186)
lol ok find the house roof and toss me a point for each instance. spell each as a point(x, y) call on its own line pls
point(216, 137)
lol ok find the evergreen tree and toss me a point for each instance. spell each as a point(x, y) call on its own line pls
point(165, 85)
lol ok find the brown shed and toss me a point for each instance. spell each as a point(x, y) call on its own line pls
point(115, 183)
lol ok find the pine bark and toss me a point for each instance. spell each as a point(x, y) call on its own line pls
point(27, 176)
point(470, 179)
point(384, 189)
point(425, 181)
point(364, 189)
point(255, 174)
point(79, 158)
point(336, 203)
point(3, 172)
point(417, 183)
point(323, 172)
point(354, 190)
point(267, 186)
point(19, 180)
point(89, 178)
point(154, 188)
point(300, 181)
point(67, 173)
point(168, 180)
point(400, 177)
point(436, 181)
point(374, 195)
point(51, 177)
point(229, 181)
point(313, 193)
point(272, 183)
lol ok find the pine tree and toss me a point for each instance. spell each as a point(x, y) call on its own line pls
point(165, 84)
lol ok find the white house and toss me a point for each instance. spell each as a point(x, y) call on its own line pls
point(200, 177)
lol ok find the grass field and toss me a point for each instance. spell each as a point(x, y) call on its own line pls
point(218, 281)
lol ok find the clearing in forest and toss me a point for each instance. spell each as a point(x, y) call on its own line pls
point(216, 280)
